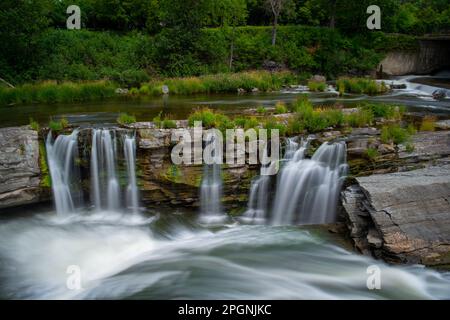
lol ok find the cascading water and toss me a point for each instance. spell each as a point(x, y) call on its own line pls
point(259, 201)
point(105, 189)
point(103, 170)
point(211, 187)
point(132, 193)
point(307, 191)
point(61, 155)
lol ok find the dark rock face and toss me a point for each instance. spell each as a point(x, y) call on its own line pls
point(439, 94)
point(20, 175)
point(402, 217)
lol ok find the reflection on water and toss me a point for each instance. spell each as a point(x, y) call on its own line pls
point(123, 256)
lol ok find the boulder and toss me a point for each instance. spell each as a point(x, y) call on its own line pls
point(439, 94)
point(20, 174)
point(409, 215)
point(318, 78)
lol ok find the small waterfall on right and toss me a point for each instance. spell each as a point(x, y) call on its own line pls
point(61, 155)
point(308, 189)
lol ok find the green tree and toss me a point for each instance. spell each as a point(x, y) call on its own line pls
point(21, 24)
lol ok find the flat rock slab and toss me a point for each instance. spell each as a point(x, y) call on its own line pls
point(411, 211)
point(19, 166)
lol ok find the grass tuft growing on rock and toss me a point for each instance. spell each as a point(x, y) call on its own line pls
point(125, 118)
point(360, 86)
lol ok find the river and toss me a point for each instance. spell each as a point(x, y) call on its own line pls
point(112, 252)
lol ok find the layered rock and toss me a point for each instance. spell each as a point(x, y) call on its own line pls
point(20, 173)
point(402, 217)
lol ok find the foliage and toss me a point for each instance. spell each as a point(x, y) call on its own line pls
point(428, 123)
point(57, 126)
point(125, 118)
point(280, 108)
point(51, 92)
point(394, 133)
point(360, 85)
point(261, 110)
point(361, 118)
point(317, 86)
point(34, 125)
point(372, 153)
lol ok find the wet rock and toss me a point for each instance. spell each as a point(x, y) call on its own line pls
point(121, 91)
point(410, 212)
point(20, 174)
point(255, 90)
point(439, 94)
point(240, 90)
point(443, 124)
point(386, 148)
point(318, 78)
point(427, 146)
point(397, 86)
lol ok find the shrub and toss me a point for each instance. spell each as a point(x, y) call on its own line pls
point(34, 125)
point(55, 126)
point(372, 153)
point(280, 108)
point(261, 110)
point(428, 123)
point(206, 116)
point(169, 124)
point(316, 86)
point(395, 134)
point(125, 118)
point(383, 110)
point(272, 124)
point(360, 85)
point(361, 118)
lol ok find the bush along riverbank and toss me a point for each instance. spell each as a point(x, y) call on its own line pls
point(52, 92)
point(251, 81)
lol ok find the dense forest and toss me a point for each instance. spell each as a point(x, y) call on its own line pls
point(132, 41)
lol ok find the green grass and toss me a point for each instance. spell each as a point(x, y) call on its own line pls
point(125, 118)
point(384, 110)
point(51, 92)
point(316, 86)
point(34, 125)
point(280, 108)
point(361, 118)
point(360, 86)
point(428, 123)
point(261, 110)
point(372, 153)
point(57, 126)
point(221, 83)
point(394, 133)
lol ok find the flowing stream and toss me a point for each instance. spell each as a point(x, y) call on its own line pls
point(124, 252)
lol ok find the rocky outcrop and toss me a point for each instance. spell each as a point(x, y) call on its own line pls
point(20, 174)
point(402, 217)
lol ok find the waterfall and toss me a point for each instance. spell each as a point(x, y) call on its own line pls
point(259, 193)
point(62, 154)
point(211, 186)
point(132, 194)
point(308, 189)
point(105, 189)
point(103, 170)
point(106, 193)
